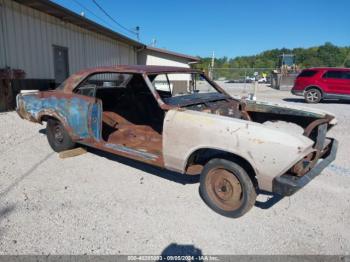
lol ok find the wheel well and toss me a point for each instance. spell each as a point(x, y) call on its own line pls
point(204, 155)
point(314, 87)
point(45, 118)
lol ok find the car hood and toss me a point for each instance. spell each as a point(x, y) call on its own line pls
point(288, 109)
point(315, 111)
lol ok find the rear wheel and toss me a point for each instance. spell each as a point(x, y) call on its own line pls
point(227, 188)
point(57, 136)
point(313, 96)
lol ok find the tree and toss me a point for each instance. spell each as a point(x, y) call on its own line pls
point(324, 55)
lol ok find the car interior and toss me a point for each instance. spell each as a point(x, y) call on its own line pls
point(131, 116)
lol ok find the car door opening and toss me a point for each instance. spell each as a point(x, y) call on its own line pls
point(131, 116)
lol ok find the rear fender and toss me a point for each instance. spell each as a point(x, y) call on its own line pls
point(74, 112)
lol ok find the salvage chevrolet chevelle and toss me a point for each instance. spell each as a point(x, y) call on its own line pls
point(178, 119)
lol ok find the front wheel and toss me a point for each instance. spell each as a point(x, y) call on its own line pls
point(227, 188)
point(58, 137)
point(313, 96)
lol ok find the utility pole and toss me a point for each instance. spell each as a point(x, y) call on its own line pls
point(154, 41)
point(211, 69)
point(137, 30)
point(213, 60)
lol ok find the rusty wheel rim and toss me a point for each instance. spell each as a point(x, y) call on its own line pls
point(224, 189)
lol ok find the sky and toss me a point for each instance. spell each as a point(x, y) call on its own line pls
point(226, 27)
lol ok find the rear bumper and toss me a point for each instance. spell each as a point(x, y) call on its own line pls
point(287, 185)
point(297, 92)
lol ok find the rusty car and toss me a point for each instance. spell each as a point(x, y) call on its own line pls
point(180, 120)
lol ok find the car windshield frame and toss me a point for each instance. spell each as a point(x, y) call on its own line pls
point(190, 98)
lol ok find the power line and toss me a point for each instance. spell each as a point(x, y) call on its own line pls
point(91, 12)
point(110, 17)
point(96, 16)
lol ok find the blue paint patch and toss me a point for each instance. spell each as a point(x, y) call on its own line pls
point(32, 104)
point(78, 115)
point(96, 119)
point(73, 110)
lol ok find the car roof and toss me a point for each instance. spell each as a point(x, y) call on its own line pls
point(328, 68)
point(141, 69)
point(76, 78)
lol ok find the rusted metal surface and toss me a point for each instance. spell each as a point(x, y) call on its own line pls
point(265, 107)
point(224, 189)
point(227, 107)
point(216, 122)
point(314, 124)
point(271, 152)
point(9, 74)
point(75, 112)
point(73, 80)
point(320, 147)
point(127, 152)
point(6, 92)
point(5, 95)
point(194, 169)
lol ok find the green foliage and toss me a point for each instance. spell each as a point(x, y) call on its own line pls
point(324, 55)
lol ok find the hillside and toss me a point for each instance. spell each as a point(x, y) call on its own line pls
point(324, 55)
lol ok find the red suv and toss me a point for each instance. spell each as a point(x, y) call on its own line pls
point(316, 84)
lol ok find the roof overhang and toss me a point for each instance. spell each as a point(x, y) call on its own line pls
point(191, 59)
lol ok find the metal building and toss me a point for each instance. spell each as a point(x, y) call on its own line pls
point(42, 43)
point(49, 42)
point(158, 56)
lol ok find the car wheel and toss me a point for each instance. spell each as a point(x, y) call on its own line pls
point(57, 136)
point(313, 96)
point(227, 188)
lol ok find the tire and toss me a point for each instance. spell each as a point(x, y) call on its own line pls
point(58, 137)
point(313, 96)
point(227, 188)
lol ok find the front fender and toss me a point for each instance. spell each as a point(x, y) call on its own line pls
point(270, 152)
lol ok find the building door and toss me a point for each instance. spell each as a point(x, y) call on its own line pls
point(60, 58)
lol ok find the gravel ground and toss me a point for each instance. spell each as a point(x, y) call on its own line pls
point(97, 203)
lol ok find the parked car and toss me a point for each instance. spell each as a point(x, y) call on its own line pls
point(193, 127)
point(316, 84)
point(250, 79)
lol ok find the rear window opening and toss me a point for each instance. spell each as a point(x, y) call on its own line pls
point(307, 73)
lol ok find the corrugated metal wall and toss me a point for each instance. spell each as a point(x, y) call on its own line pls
point(27, 37)
point(2, 37)
point(150, 57)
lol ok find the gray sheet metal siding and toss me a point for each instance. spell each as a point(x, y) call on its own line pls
point(2, 38)
point(27, 37)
